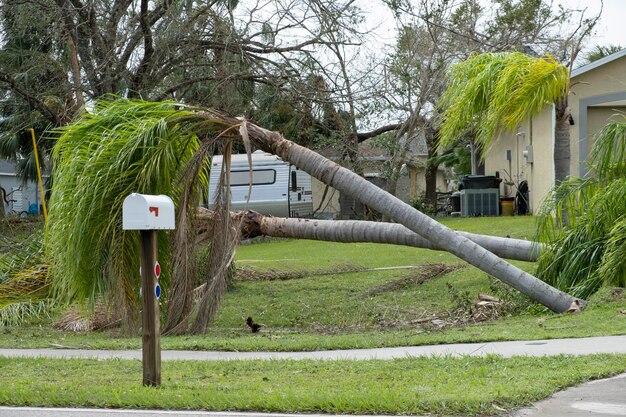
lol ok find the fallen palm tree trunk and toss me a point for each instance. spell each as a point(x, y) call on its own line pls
point(163, 148)
point(350, 231)
point(357, 187)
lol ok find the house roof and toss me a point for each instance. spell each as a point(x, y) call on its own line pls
point(598, 63)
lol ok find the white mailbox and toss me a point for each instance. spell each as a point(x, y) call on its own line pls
point(148, 212)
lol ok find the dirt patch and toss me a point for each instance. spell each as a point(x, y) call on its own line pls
point(424, 273)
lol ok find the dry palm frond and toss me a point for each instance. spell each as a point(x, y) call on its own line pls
point(425, 273)
point(24, 280)
point(85, 319)
point(25, 294)
point(225, 239)
point(31, 283)
point(270, 274)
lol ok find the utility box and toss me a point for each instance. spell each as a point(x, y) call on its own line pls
point(528, 154)
point(481, 202)
point(479, 182)
point(148, 212)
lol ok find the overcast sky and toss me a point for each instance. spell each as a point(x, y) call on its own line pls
point(611, 27)
point(610, 30)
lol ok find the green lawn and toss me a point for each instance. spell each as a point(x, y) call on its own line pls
point(416, 386)
point(375, 308)
point(339, 311)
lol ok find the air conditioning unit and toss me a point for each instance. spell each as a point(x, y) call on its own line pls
point(485, 202)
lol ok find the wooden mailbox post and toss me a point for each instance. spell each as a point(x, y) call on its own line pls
point(148, 214)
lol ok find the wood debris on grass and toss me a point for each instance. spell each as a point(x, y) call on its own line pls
point(425, 272)
point(253, 274)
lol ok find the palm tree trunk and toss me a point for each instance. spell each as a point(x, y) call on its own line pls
point(348, 182)
point(350, 231)
point(562, 142)
point(561, 150)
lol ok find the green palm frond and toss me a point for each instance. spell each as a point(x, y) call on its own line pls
point(613, 265)
point(18, 313)
point(588, 252)
point(120, 148)
point(492, 92)
point(608, 155)
point(568, 200)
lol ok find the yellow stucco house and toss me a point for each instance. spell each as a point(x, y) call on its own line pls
point(598, 93)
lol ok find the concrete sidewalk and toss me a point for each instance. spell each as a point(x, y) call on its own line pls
point(603, 398)
point(578, 346)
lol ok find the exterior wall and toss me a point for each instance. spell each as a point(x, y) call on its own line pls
point(596, 95)
point(511, 171)
point(29, 193)
point(596, 87)
point(413, 184)
point(537, 133)
point(410, 184)
point(541, 179)
point(597, 118)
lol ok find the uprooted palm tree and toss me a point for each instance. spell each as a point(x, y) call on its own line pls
point(152, 143)
point(590, 251)
point(494, 92)
point(117, 149)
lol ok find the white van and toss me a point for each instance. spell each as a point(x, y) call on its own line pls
point(278, 188)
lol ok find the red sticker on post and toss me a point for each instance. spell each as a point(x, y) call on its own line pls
point(157, 270)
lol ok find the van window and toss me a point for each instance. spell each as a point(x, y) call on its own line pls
point(294, 181)
point(259, 177)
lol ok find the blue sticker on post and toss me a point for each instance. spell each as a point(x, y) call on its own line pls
point(157, 291)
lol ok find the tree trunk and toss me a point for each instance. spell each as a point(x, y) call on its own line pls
point(562, 150)
point(404, 137)
point(348, 182)
point(350, 231)
point(75, 66)
point(2, 197)
point(562, 142)
point(430, 174)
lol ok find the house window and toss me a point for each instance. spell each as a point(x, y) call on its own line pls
point(259, 177)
